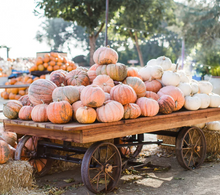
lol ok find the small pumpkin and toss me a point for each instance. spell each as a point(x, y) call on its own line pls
point(86, 115)
point(214, 100)
point(153, 85)
point(77, 77)
point(166, 104)
point(12, 108)
point(25, 100)
point(131, 110)
point(123, 93)
point(156, 72)
point(164, 62)
point(5, 152)
point(214, 125)
point(105, 82)
point(39, 113)
point(58, 79)
point(205, 87)
point(192, 102)
point(59, 112)
point(25, 113)
point(92, 96)
point(75, 106)
point(205, 99)
point(185, 88)
point(145, 73)
point(170, 78)
point(110, 111)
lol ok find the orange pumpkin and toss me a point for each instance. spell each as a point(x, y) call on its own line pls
point(50, 68)
point(123, 93)
point(92, 72)
point(131, 110)
point(58, 79)
point(107, 96)
point(12, 81)
point(9, 137)
point(86, 115)
point(77, 77)
point(33, 68)
point(151, 94)
point(11, 109)
point(25, 113)
point(36, 78)
point(92, 96)
point(75, 106)
point(132, 72)
point(39, 61)
point(6, 95)
point(69, 68)
point(45, 65)
point(73, 65)
point(137, 84)
point(17, 97)
point(105, 55)
point(25, 100)
point(110, 111)
point(40, 67)
point(53, 54)
point(63, 67)
point(20, 83)
point(153, 85)
point(12, 96)
point(21, 92)
point(175, 93)
point(5, 152)
point(12, 90)
point(29, 81)
point(59, 63)
point(39, 113)
point(52, 63)
point(46, 59)
point(56, 67)
point(41, 89)
point(105, 82)
point(59, 112)
point(43, 77)
point(148, 106)
point(166, 104)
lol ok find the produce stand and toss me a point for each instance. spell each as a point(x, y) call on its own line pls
point(102, 160)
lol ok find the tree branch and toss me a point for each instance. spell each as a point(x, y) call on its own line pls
point(131, 34)
point(102, 25)
point(89, 10)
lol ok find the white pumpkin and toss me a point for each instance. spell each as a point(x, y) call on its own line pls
point(194, 87)
point(214, 100)
point(145, 73)
point(214, 125)
point(185, 88)
point(164, 62)
point(152, 62)
point(192, 103)
point(156, 72)
point(170, 78)
point(205, 87)
point(183, 77)
point(204, 98)
point(200, 125)
point(173, 67)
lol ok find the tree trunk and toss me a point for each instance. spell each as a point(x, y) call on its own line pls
point(139, 50)
point(92, 40)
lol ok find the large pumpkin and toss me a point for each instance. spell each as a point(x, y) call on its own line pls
point(39, 113)
point(92, 72)
point(105, 55)
point(137, 84)
point(166, 104)
point(67, 93)
point(41, 90)
point(105, 82)
point(110, 111)
point(9, 137)
point(124, 94)
point(117, 72)
point(92, 96)
point(5, 152)
point(131, 110)
point(77, 77)
point(59, 112)
point(75, 106)
point(175, 93)
point(11, 109)
point(148, 106)
point(25, 100)
point(86, 115)
point(25, 113)
point(58, 79)
point(153, 85)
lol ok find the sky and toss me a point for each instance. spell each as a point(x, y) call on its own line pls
point(18, 28)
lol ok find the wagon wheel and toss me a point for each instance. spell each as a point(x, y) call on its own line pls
point(27, 150)
point(191, 148)
point(101, 167)
point(128, 151)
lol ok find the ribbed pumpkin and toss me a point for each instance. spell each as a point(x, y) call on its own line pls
point(75, 106)
point(92, 72)
point(153, 85)
point(58, 79)
point(25, 113)
point(148, 106)
point(105, 82)
point(86, 115)
point(9, 137)
point(131, 110)
point(41, 89)
point(117, 72)
point(39, 113)
point(59, 112)
point(5, 152)
point(124, 94)
point(80, 88)
point(110, 111)
point(175, 93)
point(60, 71)
point(77, 77)
point(137, 84)
point(5, 95)
point(107, 96)
point(166, 104)
point(11, 109)
point(132, 72)
point(25, 100)
point(92, 96)
point(150, 94)
point(105, 55)
point(67, 93)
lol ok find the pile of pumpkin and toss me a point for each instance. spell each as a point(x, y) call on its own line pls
point(109, 91)
point(17, 93)
point(51, 62)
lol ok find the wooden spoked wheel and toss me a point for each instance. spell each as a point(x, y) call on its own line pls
point(27, 150)
point(191, 148)
point(128, 151)
point(101, 167)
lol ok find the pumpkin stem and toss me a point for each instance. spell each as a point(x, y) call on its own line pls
point(150, 79)
point(62, 85)
point(108, 46)
point(42, 101)
point(86, 107)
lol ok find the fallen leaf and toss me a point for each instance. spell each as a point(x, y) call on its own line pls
point(69, 180)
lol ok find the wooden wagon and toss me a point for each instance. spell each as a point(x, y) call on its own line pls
point(103, 160)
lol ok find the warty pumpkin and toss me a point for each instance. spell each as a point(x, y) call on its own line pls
point(86, 115)
point(12, 108)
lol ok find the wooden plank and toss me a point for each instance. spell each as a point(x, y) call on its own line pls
point(46, 133)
